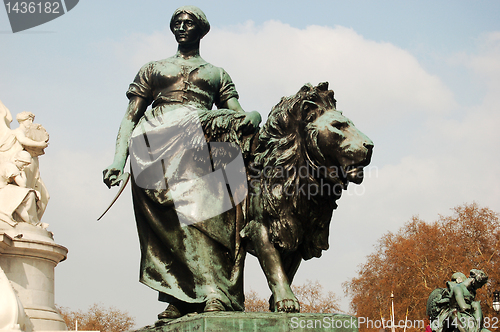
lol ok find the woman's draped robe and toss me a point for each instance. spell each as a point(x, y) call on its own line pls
point(186, 191)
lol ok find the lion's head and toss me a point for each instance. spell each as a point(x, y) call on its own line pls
point(335, 145)
point(308, 152)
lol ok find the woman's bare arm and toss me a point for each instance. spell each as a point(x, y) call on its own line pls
point(135, 110)
point(252, 119)
point(25, 141)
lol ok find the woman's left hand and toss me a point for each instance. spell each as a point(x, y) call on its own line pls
point(251, 122)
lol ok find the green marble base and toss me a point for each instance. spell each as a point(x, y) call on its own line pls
point(256, 321)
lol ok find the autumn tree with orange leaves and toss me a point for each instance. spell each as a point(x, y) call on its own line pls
point(423, 256)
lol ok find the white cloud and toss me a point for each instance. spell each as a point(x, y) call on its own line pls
point(375, 80)
point(487, 62)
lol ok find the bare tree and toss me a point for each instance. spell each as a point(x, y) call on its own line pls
point(98, 318)
point(313, 299)
point(310, 295)
point(253, 303)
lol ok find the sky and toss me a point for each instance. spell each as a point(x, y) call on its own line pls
point(420, 78)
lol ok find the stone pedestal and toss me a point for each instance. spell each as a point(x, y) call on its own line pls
point(28, 256)
point(257, 322)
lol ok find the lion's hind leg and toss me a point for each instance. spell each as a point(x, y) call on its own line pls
point(271, 263)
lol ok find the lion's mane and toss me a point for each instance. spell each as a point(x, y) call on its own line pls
point(296, 221)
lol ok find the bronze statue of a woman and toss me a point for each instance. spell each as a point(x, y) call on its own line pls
point(195, 266)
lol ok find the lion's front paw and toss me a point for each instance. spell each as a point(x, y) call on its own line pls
point(288, 305)
point(283, 300)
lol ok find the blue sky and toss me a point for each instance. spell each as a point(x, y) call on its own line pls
point(420, 78)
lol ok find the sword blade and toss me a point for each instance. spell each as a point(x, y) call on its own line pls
point(124, 178)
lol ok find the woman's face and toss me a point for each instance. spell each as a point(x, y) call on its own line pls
point(186, 31)
point(26, 122)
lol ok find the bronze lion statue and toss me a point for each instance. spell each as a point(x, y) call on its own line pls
point(290, 174)
point(302, 158)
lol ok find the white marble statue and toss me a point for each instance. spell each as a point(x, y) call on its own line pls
point(17, 201)
point(12, 314)
point(23, 196)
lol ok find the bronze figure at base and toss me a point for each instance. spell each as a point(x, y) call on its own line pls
point(454, 308)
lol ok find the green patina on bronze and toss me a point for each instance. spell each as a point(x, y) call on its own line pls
point(454, 308)
point(305, 155)
point(257, 321)
point(286, 216)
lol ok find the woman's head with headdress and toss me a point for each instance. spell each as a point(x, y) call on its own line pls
point(198, 16)
point(23, 116)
